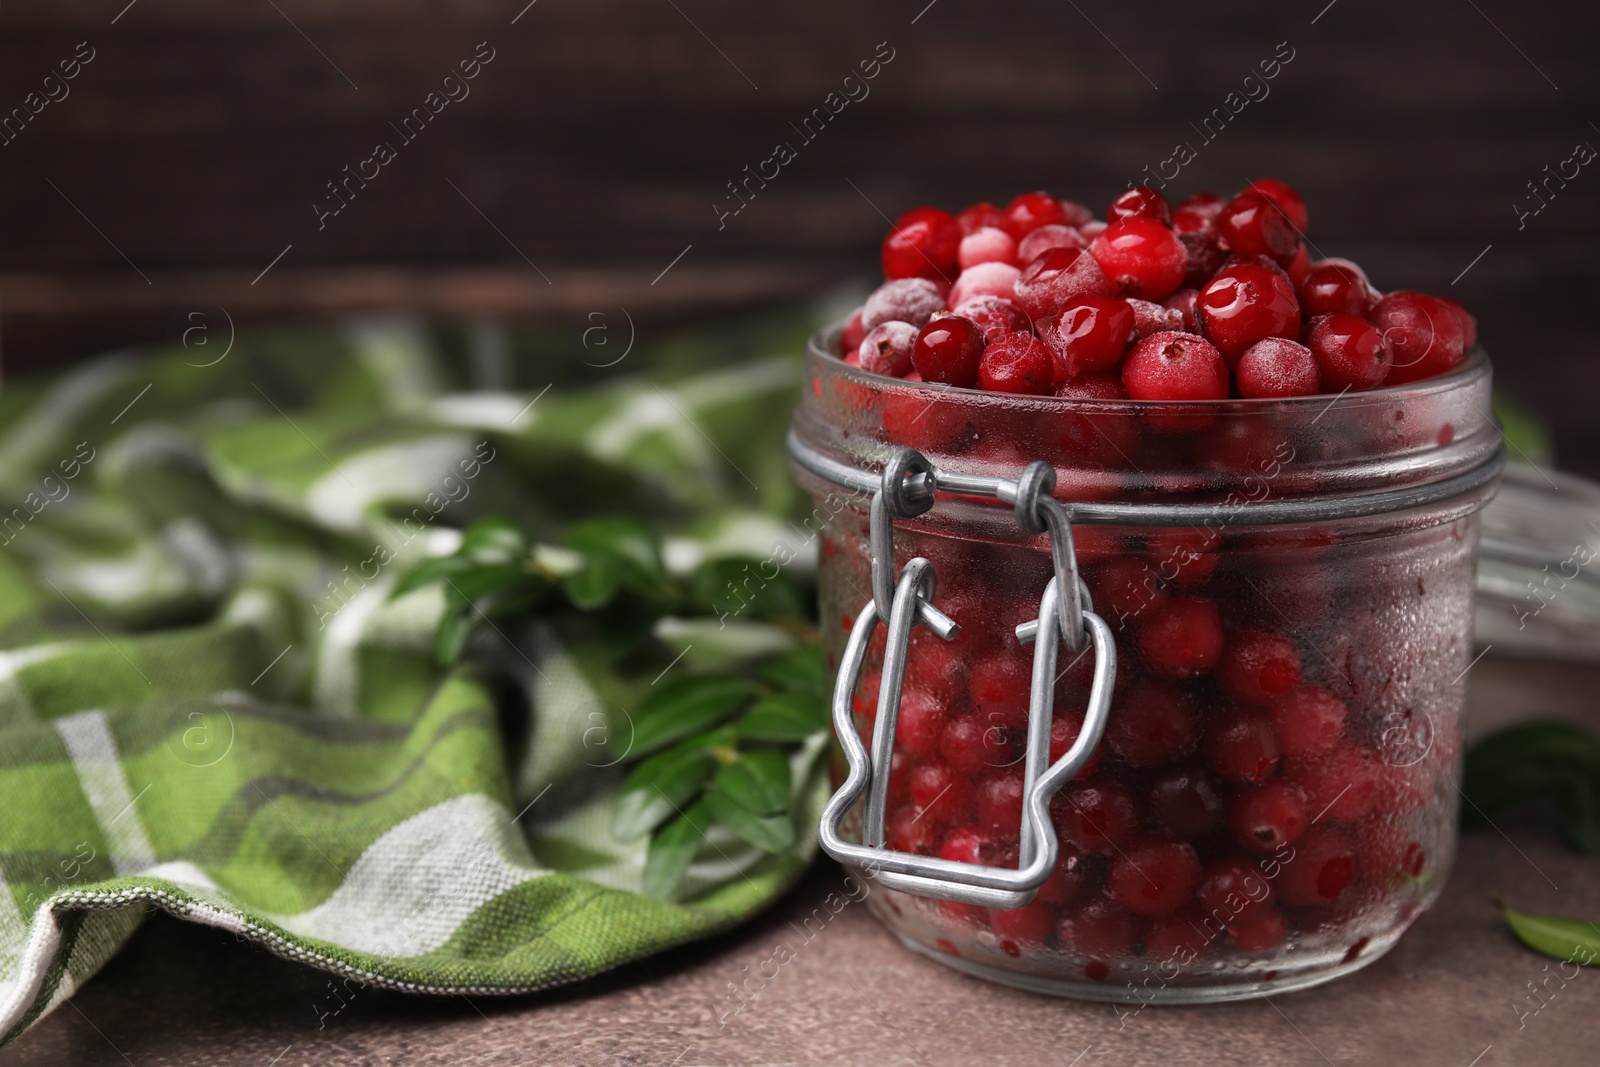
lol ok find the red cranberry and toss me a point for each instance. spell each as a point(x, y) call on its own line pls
point(1203, 257)
point(916, 731)
point(887, 348)
point(1245, 303)
point(1140, 202)
point(988, 245)
point(1298, 267)
point(1155, 877)
point(1017, 363)
point(965, 745)
point(1149, 318)
point(1425, 334)
point(1045, 238)
point(964, 845)
point(934, 787)
point(949, 350)
point(1185, 557)
point(1334, 289)
point(1258, 665)
point(1100, 931)
point(1074, 214)
point(996, 315)
point(1243, 747)
point(1276, 367)
point(1092, 229)
point(1186, 803)
point(1309, 719)
point(1125, 585)
point(1068, 881)
point(1350, 352)
point(1029, 211)
point(1001, 682)
point(1286, 197)
point(1097, 817)
point(1206, 205)
point(912, 300)
point(1141, 257)
point(1175, 366)
point(1028, 925)
point(1269, 816)
point(999, 802)
point(1233, 890)
point(1178, 940)
point(922, 244)
point(975, 217)
point(1089, 334)
point(1154, 724)
point(1065, 726)
point(1181, 637)
point(1322, 869)
point(1256, 225)
point(851, 335)
point(1105, 436)
point(1265, 933)
point(1050, 281)
point(985, 279)
point(1343, 783)
point(1184, 302)
point(909, 830)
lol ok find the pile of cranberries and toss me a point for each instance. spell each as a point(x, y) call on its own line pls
point(1203, 301)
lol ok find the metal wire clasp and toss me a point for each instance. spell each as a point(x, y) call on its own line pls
point(909, 488)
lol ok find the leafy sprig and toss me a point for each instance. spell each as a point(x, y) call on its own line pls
point(1540, 760)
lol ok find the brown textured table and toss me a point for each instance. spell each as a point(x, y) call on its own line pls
point(1453, 993)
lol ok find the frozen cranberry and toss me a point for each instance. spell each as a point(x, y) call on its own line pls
point(1017, 363)
point(1186, 803)
point(1056, 277)
point(1425, 334)
point(1065, 726)
point(1343, 783)
point(1045, 238)
point(1187, 223)
point(1245, 303)
point(1125, 586)
point(1141, 257)
point(916, 731)
point(1322, 869)
point(988, 245)
point(1309, 719)
point(912, 300)
point(1258, 665)
point(1286, 197)
point(887, 348)
point(1256, 225)
point(996, 315)
point(1184, 303)
point(1181, 637)
point(1140, 202)
point(967, 745)
point(1178, 940)
point(1097, 817)
point(1074, 214)
point(1001, 682)
point(975, 217)
point(1029, 211)
point(1233, 890)
point(964, 845)
point(1350, 352)
point(1265, 933)
point(985, 279)
point(1334, 289)
point(1149, 318)
point(907, 830)
point(1070, 879)
point(1106, 437)
point(1154, 723)
point(1027, 926)
point(1092, 229)
point(940, 791)
point(999, 802)
point(1203, 257)
point(1175, 366)
point(948, 350)
point(1206, 205)
point(1243, 747)
point(1089, 334)
point(1268, 816)
point(851, 335)
point(1155, 877)
point(1100, 931)
point(1276, 367)
point(1186, 557)
point(922, 244)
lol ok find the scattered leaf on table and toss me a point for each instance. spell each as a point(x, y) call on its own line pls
point(1570, 940)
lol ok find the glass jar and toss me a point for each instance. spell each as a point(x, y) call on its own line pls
point(1287, 587)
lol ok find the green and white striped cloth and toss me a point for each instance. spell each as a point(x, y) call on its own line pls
point(210, 704)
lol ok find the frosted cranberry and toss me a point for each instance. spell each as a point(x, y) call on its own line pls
point(887, 348)
point(999, 802)
point(916, 731)
point(1045, 238)
point(1349, 351)
point(1068, 881)
point(912, 300)
point(1175, 366)
point(1181, 637)
point(1155, 877)
point(1309, 719)
point(1258, 665)
point(934, 787)
point(988, 245)
point(1276, 367)
point(995, 315)
point(1203, 257)
point(1243, 747)
point(1100, 931)
point(1286, 197)
point(1021, 927)
point(1065, 726)
point(1344, 783)
point(1001, 682)
point(1016, 363)
point(1153, 723)
point(1056, 277)
point(966, 745)
point(1265, 933)
point(1092, 229)
point(1184, 303)
point(1125, 586)
point(1207, 205)
point(1426, 335)
point(1179, 939)
point(1097, 817)
point(1191, 223)
point(975, 217)
point(908, 830)
point(1245, 303)
point(1269, 816)
point(851, 335)
point(985, 279)
point(1140, 202)
point(1233, 890)
point(1149, 318)
point(1469, 325)
point(1186, 803)
point(948, 350)
point(1089, 334)
point(1323, 867)
point(1333, 289)
point(1029, 211)
point(1074, 214)
point(1187, 557)
point(1298, 267)
point(1104, 385)
point(1254, 224)
point(922, 244)
point(1141, 257)
point(964, 846)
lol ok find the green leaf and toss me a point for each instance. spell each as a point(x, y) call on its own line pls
point(659, 788)
point(672, 849)
point(1542, 759)
point(454, 625)
point(770, 833)
point(686, 708)
point(619, 538)
point(495, 542)
point(785, 717)
point(1570, 940)
point(594, 586)
point(757, 781)
point(429, 570)
point(800, 670)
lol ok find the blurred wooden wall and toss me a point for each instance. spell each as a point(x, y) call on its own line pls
point(188, 153)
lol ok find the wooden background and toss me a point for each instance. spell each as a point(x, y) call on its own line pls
point(593, 147)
